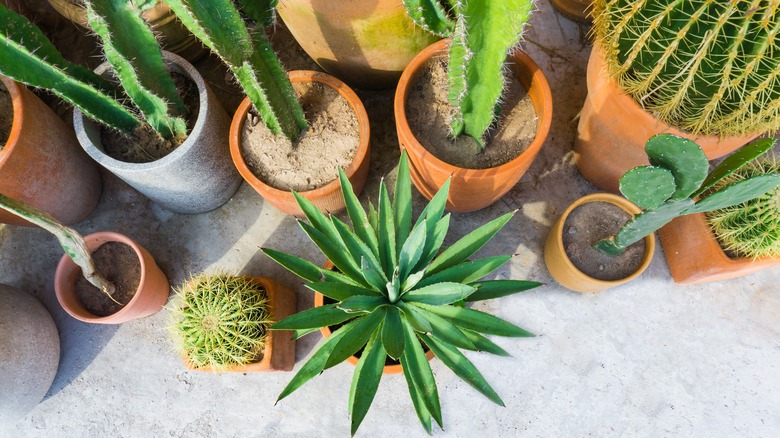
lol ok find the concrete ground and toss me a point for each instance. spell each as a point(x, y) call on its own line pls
point(646, 359)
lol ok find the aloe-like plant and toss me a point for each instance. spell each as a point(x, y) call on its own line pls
point(483, 32)
point(395, 292)
point(677, 183)
point(71, 241)
point(218, 24)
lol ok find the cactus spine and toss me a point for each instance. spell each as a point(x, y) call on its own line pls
point(135, 56)
point(221, 320)
point(710, 67)
point(219, 26)
point(683, 163)
point(261, 11)
point(27, 56)
point(751, 229)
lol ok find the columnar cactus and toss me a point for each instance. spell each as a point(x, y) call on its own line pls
point(710, 67)
point(252, 60)
point(135, 56)
point(483, 32)
point(676, 183)
point(750, 229)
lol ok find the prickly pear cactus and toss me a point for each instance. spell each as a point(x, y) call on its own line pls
point(677, 176)
point(710, 67)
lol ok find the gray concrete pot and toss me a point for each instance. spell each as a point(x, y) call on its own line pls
point(198, 176)
point(29, 354)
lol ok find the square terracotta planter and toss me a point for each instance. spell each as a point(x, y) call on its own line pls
point(695, 256)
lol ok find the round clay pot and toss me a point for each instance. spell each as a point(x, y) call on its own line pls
point(471, 189)
point(327, 198)
point(695, 256)
point(366, 44)
point(42, 163)
point(198, 176)
point(279, 352)
point(564, 271)
point(577, 10)
point(173, 36)
point(29, 355)
point(151, 295)
point(613, 130)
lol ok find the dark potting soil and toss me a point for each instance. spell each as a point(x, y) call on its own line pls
point(145, 145)
point(429, 112)
point(119, 264)
point(6, 115)
point(588, 224)
point(331, 142)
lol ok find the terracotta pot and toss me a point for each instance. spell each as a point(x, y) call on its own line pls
point(151, 295)
point(471, 189)
point(613, 130)
point(364, 43)
point(279, 352)
point(327, 198)
point(695, 256)
point(173, 36)
point(563, 270)
point(42, 163)
point(577, 10)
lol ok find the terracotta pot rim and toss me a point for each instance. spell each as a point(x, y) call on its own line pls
point(520, 59)
point(626, 206)
point(14, 91)
point(237, 125)
point(100, 238)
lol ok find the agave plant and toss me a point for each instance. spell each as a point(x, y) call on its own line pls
point(396, 294)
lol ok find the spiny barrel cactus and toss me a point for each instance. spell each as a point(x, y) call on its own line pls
point(220, 320)
point(710, 67)
point(677, 176)
point(134, 55)
point(252, 60)
point(750, 229)
point(27, 56)
point(394, 292)
point(483, 32)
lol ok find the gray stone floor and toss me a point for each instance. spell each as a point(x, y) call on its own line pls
point(646, 359)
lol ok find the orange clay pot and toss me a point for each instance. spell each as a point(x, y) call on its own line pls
point(364, 43)
point(151, 295)
point(613, 130)
point(327, 198)
point(42, 163)
point(319, 300)
point(564, 271)
point(471, 189)
point(279, 352)
point(695, 256)
point(577, 10)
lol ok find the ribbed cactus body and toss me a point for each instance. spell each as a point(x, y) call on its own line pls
point(261, 11)
point(431, 16)
point(219, 26)
point(135, 57)
point(710, 67)
point(27, 56)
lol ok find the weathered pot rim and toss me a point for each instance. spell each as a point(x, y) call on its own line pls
point(521, 60)
point(14, 91)
point(176, 64)
point(364, 133)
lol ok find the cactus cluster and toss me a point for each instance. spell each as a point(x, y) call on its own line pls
point(750, 229)
point(220, 320)
point(676, 183)
point(218, 24)
point(482, 32)
point(710, 67)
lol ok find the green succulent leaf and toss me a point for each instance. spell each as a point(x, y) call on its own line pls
point(445, 330)
point(336, 254)
point(402, 204)
point(414, 318)
point(373, 219)
point(436, 225)
point(355, 337)
point(419, 376)
point(386, 235)
point(298, 334)
point(411, 251)
point(467, 272)
point(365, 381)
point(477, 321)
point(439, 294)
point(648, 186)
point(314, 319)
point(339, 291)
point(482, 343)
point(374, 276)
point(417, 400)
point(305, 269)
point(319, 221)
point(648, 222)
point(357, 215)
point(412, 281)
point(361, 253)
point(736, 161)
point(393, 333)
point(684, 158)
point(737, 193)
point(361, 304)
point(489, 289)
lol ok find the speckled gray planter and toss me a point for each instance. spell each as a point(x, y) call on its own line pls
point(198, 176)
point(29, 354)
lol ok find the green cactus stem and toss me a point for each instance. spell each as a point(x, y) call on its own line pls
point(71, 241)
point(431, 16)
point(28, 57)
point(710, 67)
point(219, 26)
point(261, 11)
point(135, 57)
